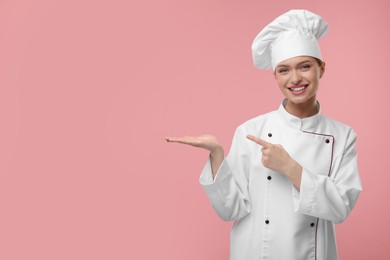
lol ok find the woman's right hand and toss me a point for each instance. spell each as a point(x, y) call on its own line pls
point(208, 142)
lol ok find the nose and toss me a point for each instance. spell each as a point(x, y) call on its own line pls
point(296, 77)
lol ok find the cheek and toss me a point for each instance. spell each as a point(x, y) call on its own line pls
point(314, 77)
point(283, 85)
point(317, 78)
point(315, 82)
point(318, 74)
point(280, 81)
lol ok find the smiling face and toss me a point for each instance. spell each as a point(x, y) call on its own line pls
point(298, 79)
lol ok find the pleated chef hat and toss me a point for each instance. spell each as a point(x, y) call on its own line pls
point(292, 34)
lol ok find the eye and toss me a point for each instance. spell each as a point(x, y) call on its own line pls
point(305, 67)
point(282, 70)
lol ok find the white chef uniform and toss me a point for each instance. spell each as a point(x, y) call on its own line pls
point(272, 219)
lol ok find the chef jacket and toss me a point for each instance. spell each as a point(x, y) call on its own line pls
point(272, 219)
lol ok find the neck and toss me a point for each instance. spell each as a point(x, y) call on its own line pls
point(302, 110)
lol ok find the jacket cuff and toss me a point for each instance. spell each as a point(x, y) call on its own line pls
point(304, 199)
point(206, 178)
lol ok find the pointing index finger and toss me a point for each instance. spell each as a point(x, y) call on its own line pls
point(258, 141)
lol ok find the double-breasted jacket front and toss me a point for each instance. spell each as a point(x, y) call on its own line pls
point(273, 219)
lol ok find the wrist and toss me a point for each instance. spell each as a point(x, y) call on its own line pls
point(216, 156)
point(217, 152)
point(293, 169)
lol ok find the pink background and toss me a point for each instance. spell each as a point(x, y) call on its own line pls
point(89, 89)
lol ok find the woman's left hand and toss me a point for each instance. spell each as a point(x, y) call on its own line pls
point(277, 159)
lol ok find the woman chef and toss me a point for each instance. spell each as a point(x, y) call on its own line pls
point(291, 173)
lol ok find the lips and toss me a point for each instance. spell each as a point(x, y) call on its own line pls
point(298, 89)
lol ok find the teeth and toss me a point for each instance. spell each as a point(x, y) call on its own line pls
point(297, 89)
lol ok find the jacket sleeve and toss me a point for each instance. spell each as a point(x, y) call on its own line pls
point(331, 197)
point(228, 192)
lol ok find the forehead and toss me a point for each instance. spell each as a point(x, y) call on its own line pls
point(296, 61)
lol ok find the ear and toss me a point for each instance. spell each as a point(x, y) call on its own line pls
point(322, 69)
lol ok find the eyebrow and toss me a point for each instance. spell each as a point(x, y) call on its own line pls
point(300, 63)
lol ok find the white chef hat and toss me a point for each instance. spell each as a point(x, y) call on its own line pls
point(292, 34)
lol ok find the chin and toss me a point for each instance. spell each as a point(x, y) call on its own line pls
point(300, 100)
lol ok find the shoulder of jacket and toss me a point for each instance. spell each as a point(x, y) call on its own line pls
point(338, 126)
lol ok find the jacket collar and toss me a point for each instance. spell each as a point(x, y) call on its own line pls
point(302, 124)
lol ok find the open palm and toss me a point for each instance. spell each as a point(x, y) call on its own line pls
point(208, 142)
